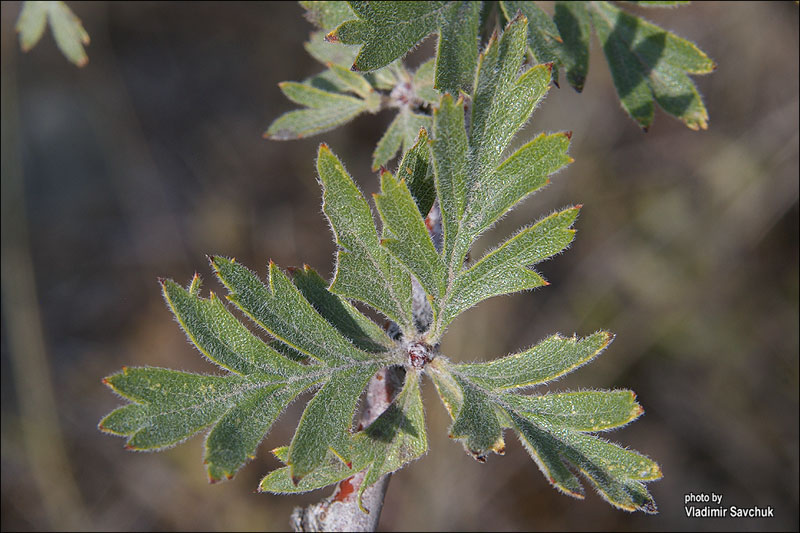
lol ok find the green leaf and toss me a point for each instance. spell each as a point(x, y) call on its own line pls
point(394, 439)
point(648, 63)
point(221, 337)
point(67, 29)
point(171, 406)
point(449, 151)
point(617, 473)
point(358, 329)
point(327, 421)
point(553, 428)
point(505, 269)
point(326, 52)
point(417, 170)
point(326, 15)
point(476, 422)
point(457, 48)
point(325, 111)
point(522, 174)
point(503, 100)
point(408, 23)
point(402, 132)
point(283, 311)
point(364, 270)
point(580, 411)
point(544, 39)
point(575, 27)
point(31, 23)
point(548, 360)
point(406, 236)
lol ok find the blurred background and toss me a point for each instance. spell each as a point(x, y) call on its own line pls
point(151, 156)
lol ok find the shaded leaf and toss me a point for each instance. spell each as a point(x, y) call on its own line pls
point(283, 311)
point(648, 63)
point(406, 236)
point(358, 329)
point(417, 170)
point(401, 133)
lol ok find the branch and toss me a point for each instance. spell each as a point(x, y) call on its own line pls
point(340, 511)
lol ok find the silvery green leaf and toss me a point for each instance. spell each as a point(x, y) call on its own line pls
point(364, 269)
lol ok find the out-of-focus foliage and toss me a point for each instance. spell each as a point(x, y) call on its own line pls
point(67, 28)
point(122, 183)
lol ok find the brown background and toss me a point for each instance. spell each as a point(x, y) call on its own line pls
point(137, 165)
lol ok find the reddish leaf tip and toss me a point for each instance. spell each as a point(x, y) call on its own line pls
point(549, 67)
point(324, 146)
point(349, 464)
point(291, 270)
point(295, 480)
point(545, 283)
point(105, 382)
point(161, 280)
point(568, 135)
point(578, 206)
point(332, 37)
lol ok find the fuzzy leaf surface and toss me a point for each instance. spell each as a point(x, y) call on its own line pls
point(555, 428)
point(364, 270)
point(394, 439)
point(408, 23)
point(406, 236)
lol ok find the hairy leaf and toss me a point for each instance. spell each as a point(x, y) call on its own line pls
point(394, 439)
point(364, 270)
point(406, 236)
point(401, 133)
point(554, 427)
point(544, 362)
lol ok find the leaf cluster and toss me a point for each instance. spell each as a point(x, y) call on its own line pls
point(453, 183)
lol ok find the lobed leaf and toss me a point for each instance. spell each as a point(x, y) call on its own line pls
point(617, 473)
point(222, 338)
point(505, 269)
point(406, 236)
point(68, 32)
point(171, 406)
point(364, 270)
point(350, 322)
point(327, 420)
point(325, 111)
point(548, 360)
point(580, 411)
point(648, 63)
point(476, 422)
point(394, 439)
point(283, 311)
